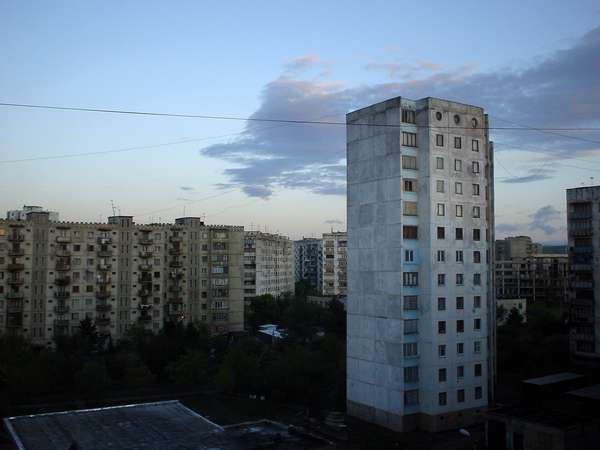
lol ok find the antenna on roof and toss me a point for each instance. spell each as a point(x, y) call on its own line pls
point(114, 208)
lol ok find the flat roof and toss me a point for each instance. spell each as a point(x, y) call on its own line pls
point(590, 392)
point(554, 378)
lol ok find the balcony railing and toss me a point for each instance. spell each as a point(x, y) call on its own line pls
point(15, 281)
point(175, 251)
point(105, 253)
point(175, 289)
point(144, 306)
point(103, 307)
point(580, 214)
point(62, 295)
point(175, 263)
point(63, 239)
point(62, 267)
point(146, 242)
point(14, 307)
point(62, 281)
point(145, 267)
point(175, 239)
point(145, 318)
point(16, 252)
point(61, 309)
point(103, 280)
point(104, 241)
point(102, 295)
point(146, 254)
point(15, 267)
point(16, 237)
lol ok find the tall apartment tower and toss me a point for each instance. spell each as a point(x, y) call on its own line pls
point(308, 258)
point(335, 263)
point(268, 265)
point(421, 315)
point(583, 212)
point(118, 274)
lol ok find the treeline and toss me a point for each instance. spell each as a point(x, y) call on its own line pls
point(307, 366)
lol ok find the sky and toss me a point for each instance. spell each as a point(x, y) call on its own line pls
point(535, 64)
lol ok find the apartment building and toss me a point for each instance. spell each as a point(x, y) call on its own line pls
point(421, 315)
point(21, 214)
point(308, 259)
point(268, 264)
point(516, 247)
point(53, 275)
point(335, 245)
point(583, 216)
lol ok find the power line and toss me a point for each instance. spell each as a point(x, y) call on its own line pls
point(287, 121)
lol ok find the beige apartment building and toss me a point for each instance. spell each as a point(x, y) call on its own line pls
point(53, 275)
point(334, 263)
point(268, 264)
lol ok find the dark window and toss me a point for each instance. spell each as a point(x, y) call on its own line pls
point(441, 233)
point(476, 234)
point(460, 395)
point(439, 140)
point(460, 303)
point(477, 370)
point(442, 327)
point(442, 376)
point(408, 116)
point(441, 303)
point(410, 232)
point(460, 326)
point(409, 139)
point(410, 278)
point(459, 234)
point(457, 142)
point(477, 256)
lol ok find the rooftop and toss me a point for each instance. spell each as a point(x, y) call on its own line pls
point(589, 392)
point(554, 378)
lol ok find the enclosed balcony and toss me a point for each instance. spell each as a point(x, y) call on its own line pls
point(145, 242)
point(15, 280)
point(144, 293)
point(62, 295)
point(103, 307)
point(145, 267)
point(14, 306)
point(175, 289)
point(63, 266)
point(61, 309)
point(16, 251)
point(16, 237)
point(102, 280)
point(62, 253)
point(146, 254)
point(145, 318)
point(62, 281)
point(15, 267)
point(102, 294)
point(104, 253)
point(103, 267)
point(175, 239)
point(175, 251)
point(63, 239)
point(104, 240)
point(62, 323)
point(175, 263)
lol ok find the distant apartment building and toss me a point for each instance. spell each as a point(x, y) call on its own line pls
point(268, 264)
point(583, 216)
point(308, 257)
point(523, 270)
point(420, 304)
point(118, 274)
point(507, 305)
point(21, 214)
point(335, 245)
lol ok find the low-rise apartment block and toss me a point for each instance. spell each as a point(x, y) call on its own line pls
point(268, 264)
point(334, 263)
point(53, 275)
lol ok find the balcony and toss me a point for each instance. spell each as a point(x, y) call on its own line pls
point(579, 232)
point(16, 237)
point(175, 239)
point(104, 267)
point(145, 242)
point(15, 267)
point(103, 280)
point(175, 301)
point(61, 309)
point(62, 253)
point(62, 295)
point(62, 281)
point(145, 267)
point(103, 307)
point(104, 241)
point(175, 289)
point(144, 306)
point(102, 295)
point(63, 239)
point(146, 254)
point(102, 321)
point(105, 253)
point(145, 318)
point(580, 214)
point(62, 267)
point(15, 281)
point(145, 279)
point(62, 323)
point(174, 263)
point(175, 275)
point(175, 251)
point(144, 293)
point(16, 252)
point(14, 307)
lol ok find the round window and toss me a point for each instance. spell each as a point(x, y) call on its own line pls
point(456, 118)
point(474, 122)
point(438, 115)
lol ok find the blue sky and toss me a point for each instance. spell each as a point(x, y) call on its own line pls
point(532, 62)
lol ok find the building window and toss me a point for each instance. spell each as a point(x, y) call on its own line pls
point(458, 165)
point(460, 326)
point(476, 212)
point(442, 351)
point(457, 142)
point(411, 374)
point(458, 188)
point(460, 279)
point(410, 208)
point(441, 233)
point(459, 234)
point(475, 145)
point(475, 189)
point(411, 326)
point(442, 399)
point(459, 210)
point(441, 327)
point(410, 232)
point(410, 349)
point(409, 185)
point(411, 303)
point(477, 324)
point(439, 186)
point(442, 376)
point(411, 397)
point(409, 162)
point(460, 348)
point(460, 303)
point(409, 255)
point(439, 162)
point(475, 167)
point(459, 256)
point(477, 370)
point(410, 278)
point(477, 279)
point(476, 234)
point(441, 256)
point(409, 139)
point(460, 372)
point(439, 140)
point(477, 257)
point(408, 116)
point(477, 347)
point(441, 303)
point(460, 396)
point(441, 209)
point(441, 279)
point(477, 301)
point(479, 395)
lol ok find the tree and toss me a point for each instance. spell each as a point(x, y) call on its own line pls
point(93, 378)
point(191, 368)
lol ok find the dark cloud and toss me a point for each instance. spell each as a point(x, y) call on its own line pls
point(542, 217)
point(561, 90)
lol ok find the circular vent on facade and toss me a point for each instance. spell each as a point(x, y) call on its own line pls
point(438, 115)
point(474, 122)
point(456, 119)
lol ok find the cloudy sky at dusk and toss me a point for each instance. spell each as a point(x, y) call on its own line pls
point(530, 63)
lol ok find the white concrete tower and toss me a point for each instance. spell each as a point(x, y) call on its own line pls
point(421, 320)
